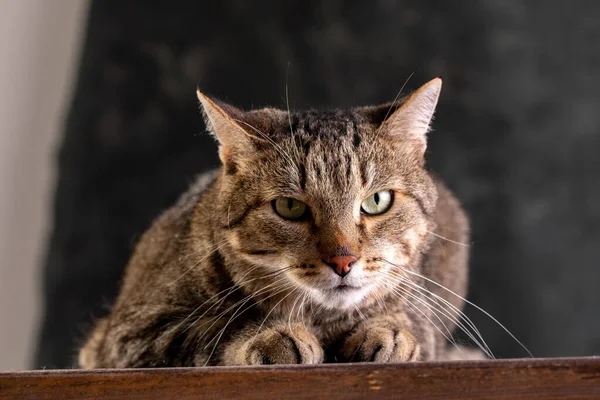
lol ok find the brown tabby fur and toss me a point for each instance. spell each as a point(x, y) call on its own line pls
point(221, 279)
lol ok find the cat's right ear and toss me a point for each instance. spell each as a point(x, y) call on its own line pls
point(224, 122)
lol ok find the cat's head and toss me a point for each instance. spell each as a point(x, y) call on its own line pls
point(332, 204)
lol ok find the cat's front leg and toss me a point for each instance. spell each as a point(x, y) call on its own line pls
point(279, 343)
point(380, 340)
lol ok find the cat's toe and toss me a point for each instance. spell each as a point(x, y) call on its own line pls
point(380, 344)
point(283, 346)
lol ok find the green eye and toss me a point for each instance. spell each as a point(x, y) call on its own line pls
point(289, 208)
point(377, 203)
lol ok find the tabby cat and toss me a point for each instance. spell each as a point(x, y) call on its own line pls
point(321, 239)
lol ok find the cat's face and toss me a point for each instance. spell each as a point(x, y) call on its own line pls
point(333, 203)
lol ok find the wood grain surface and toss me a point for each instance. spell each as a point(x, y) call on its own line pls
point(566, 378)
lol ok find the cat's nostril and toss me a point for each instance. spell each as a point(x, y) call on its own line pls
point(341, 265)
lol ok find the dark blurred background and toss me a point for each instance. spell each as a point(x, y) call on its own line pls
point(516, 137)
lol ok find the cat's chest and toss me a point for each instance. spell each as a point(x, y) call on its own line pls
point(331, 326)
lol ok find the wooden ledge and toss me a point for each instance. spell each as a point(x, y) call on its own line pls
point(561, 378)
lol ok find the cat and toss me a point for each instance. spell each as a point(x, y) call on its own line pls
point(322, 238)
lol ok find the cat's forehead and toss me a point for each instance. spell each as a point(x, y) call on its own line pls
point(320, 152)
point(327, 124)
point(319, 125)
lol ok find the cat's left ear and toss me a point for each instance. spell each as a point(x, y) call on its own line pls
point(410, 123)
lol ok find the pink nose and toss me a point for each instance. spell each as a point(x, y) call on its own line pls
point(341, 264)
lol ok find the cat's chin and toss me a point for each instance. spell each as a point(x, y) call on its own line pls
point(341, 297)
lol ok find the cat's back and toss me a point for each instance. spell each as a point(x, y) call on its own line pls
point(450, 214)
point(174, 219)
point(448, 257)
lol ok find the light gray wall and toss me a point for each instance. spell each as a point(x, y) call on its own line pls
point(39, 43)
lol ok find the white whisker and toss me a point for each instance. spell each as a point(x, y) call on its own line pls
point(400, 293)
point(478, 341)
point(466, 301)
point(448, 240)
point(277, 147)
point(207, 255)
point(245, 300)
point(269, 313)
point(360, 313)
point(236, 314)
point(277, 290)
point(229, 291)
point(373, 146)
point(287, 103)
point(289, 322)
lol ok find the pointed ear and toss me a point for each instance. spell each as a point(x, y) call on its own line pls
point(223, 121)
point(411, 121)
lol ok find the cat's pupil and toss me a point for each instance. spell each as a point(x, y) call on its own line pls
point(290, 204)
point(376, 198)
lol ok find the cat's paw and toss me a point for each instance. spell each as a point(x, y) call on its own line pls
point(284, 344)
point(380, 343)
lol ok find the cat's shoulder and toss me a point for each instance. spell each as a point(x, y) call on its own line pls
point(179, 214)
point(188, 199)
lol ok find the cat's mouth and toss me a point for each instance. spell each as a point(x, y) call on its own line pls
point(344, 287)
